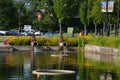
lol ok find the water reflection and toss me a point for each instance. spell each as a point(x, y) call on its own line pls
point(106, 76)
point(93, 66)
point(100, 56)
point(53, 61)
point(19, 66)
point(61, 58)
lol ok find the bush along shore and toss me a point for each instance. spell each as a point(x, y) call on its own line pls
point(77, 43)
point(112, 42)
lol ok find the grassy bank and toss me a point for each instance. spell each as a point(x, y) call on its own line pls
point(2, 38)
point(112, 41)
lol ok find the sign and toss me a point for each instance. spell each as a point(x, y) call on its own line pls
point(70, 30)
point(110, 6)
point(39, 16)
point(27, 27)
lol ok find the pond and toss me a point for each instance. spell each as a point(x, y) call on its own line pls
point(19, 66)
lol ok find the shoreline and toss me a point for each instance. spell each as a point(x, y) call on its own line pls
point(87, 48)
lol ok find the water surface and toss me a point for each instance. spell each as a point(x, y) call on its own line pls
point(19, 66)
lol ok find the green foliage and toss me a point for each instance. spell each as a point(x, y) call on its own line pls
point(83, 13)
point(23, 40)
point(47, 41)
point(113, 42)
point(48, 20)
point(41, 41)
point(66, 8)
point(96, 13)
point(2, 38)
point(71, 42)
point(19, 40)
point(99, 41)
point(55, 10)
point(7, 14)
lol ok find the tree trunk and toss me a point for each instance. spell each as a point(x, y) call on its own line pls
point(60, 32)
point(85, 30)
point(95, 30)
point(104, 29)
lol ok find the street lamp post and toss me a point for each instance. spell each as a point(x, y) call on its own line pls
point(116, 28)
point(19, 17)
point(107, 26)
point(118, 11)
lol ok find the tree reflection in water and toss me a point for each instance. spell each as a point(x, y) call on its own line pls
point(19, 66)
point(92, 69)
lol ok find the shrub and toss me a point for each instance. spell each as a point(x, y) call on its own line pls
point(52, 41)
point(19, 40)
point(41, 41)
point(45, 41)
point(112, 41)
point(71, 41)
point(26, 40)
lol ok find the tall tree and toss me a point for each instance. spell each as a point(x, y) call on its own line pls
point(7, 14)
point(48, 18)
point(65, 9)
point(96, 14)
point(84, 12)
point(24, 12)
point(99, 17)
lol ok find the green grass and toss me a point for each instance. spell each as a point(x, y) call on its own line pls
point(112, 41)
point(2, 38)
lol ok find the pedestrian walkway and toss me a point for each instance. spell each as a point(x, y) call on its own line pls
point(5, 48)
point(2, 44)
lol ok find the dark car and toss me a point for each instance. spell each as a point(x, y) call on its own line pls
point(48, 34)
point(55, 32)
point(13, 32)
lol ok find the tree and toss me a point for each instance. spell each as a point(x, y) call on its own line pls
point(99, 17)
point(24, 12)
point(83, 14)
point(84, 11)
point(8, 15)
point(65, 9)
point(96, 14)
point(48, 19)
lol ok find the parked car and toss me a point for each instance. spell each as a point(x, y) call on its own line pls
point(48, 34)
point(37, 33)
point(55, 32)
point(26, 33)
point(13, 32)
point(3, 32)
